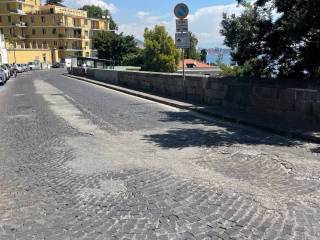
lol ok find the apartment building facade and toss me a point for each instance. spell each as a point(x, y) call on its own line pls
point(42, 30)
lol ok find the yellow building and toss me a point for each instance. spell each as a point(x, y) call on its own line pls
point(47, 33)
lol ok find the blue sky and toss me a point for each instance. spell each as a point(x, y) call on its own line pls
point(133, 16)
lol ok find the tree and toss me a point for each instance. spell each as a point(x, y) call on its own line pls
point(97, 12)
point(286, 45)
point(192, 53)
point(160, 53)
point(12, 42)
point(203, 55)
point(115, 46)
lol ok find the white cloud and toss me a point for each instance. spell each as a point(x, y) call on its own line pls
point(204, 23)
point(142, 14)
point(100, 3)
point(146, 20)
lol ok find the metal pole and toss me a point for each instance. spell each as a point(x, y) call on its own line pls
point(183, 64)
point(184, 76)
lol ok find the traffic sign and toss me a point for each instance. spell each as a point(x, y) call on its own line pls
point(181, 10)
point(182, 25)
point(183, 40)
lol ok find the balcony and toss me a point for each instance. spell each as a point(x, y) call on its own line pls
point(21, 24)
point(17, 11)
point(77, 26)
point(78, 36)
point(71, 49)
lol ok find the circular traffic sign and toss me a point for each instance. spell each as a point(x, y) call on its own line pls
point(181, 10)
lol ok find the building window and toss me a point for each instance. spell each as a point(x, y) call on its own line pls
point(34, 44)
point(21, 19)
point(87, 54)
point(1, 31)
point(32, 19)
point(43, 19)
point(86, 34)
point(9, 19)
point(54, 20)
point(44, 31)
point(74, 22)
point(33, 31)
point(0, 18)
point(87, 44)
point(54, 31)
point(44, 44)
point(11, 31)
point(51, 10)
point(55, 43)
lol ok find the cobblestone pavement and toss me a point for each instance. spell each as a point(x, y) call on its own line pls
point(79, 161)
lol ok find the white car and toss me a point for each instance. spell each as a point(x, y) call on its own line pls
point(2, 77)
point(25, 67)
point(31, 66)
point(6, 71)
point(19, 68)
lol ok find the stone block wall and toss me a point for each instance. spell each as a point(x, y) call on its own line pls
point(283, 102)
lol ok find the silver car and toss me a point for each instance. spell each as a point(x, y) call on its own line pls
point(2, 77)
point(6, 71)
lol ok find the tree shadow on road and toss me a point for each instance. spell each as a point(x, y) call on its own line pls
point(196, 132)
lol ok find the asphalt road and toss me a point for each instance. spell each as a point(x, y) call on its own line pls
point(78, 161)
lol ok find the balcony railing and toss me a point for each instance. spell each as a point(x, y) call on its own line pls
point(17, 11)
point(21, 24)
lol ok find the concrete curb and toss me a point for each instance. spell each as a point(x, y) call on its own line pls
point(198, 109)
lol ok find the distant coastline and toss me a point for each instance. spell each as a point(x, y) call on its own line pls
point(215, 53)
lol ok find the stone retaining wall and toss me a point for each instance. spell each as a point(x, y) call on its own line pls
point(294, 104)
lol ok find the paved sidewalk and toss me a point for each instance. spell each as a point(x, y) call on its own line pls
point(296, 130)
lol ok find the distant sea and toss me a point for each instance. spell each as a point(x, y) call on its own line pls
point(212, 58)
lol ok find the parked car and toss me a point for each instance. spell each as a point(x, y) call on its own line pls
point(2, 77)
point(31, 66)
point(25, 67)
point(56, 65)
point(10, 67)
point(19, 68)
point(6, 71)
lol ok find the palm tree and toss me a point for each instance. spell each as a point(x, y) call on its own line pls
point(12, 42)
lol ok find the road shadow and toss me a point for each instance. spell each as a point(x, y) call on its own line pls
point(219, 134)
point(315, 150)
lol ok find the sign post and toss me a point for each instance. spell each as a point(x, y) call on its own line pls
point(182, 37)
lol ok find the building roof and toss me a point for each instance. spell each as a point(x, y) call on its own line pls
point(194, 64)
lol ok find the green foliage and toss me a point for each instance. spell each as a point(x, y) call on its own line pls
point(160, 53)
point(133, 59)
point(114, 46)
point(233, 71)
point(97, 12)
point(203, 55)
point(286, 45)
point(192, 53)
